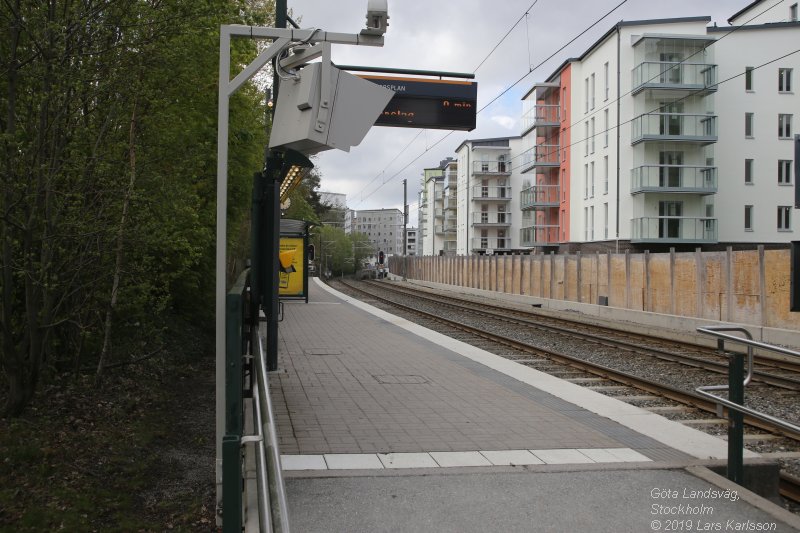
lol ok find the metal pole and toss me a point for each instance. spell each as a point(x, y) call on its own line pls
point(221, 285)
point(405, 223)
point(272, 239)
point(736, 418)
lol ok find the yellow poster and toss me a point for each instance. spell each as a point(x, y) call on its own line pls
point(291, 270)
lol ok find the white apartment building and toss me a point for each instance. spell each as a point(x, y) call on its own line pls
point(383, 228)
point(759, 114)
point(431, 209)
point(411, 241)
point(666, 133)
point(488, 190)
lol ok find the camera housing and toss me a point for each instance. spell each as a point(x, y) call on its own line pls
point(377, 17)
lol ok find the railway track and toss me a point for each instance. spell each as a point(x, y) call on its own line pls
point(448, 312)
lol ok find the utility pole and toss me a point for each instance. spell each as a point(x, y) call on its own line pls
point(405, 223)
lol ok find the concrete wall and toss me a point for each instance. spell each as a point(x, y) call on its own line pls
point(743, 287)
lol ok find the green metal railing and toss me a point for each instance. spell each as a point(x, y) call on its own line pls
point(246, 378)
point(737, 381)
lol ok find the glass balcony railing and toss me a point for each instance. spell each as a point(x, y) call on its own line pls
point(540, 155)
point(450, 246)
point(682, 127)
point(670, 229)
point(696, 77)
point(539, 196)
point(491, 219)
point(674, 178)
point(547, 115)
point(446, 228)
point(491, 167)
point(539, 235)
point(491, 193)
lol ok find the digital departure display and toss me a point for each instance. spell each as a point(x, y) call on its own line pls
point(430, 104)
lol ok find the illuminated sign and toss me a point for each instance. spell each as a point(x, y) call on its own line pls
point(430, 104)
point(291, 267)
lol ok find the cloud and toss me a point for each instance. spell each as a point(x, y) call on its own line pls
point(505, 121)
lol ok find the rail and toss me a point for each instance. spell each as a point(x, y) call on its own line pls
point(246, 366)
point(737, 381)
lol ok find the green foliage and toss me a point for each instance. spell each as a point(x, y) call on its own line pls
point(108, 125)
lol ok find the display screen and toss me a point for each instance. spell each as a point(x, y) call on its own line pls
point(430, 104)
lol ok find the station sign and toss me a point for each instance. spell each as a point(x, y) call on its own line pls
point(429, 104)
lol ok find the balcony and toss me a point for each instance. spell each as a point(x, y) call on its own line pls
point(491, 243)
point(500, 194)
point(542, 116)
point(674, 179)
point(538, 196)
point(697, 78)
point(539, 235)
point(450, 246)
point(491, 167)
point(438, 196)
point(491, 219)
point(438, 214)
point(675, 127)
point(451, 203)
point(674, 230)
point(446, 228)
point(541, 155)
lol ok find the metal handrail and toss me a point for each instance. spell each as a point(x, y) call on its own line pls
point(750, 343)
point(735, 387)
point(269, 454)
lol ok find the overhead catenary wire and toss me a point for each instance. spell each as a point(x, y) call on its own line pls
point(657, 109)
point(531, 70)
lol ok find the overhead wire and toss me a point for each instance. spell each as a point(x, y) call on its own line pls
point(531, 70)
point(655, 110)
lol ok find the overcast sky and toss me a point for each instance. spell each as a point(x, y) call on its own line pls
point(456, 36)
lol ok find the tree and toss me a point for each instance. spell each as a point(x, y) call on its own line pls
point(107, 175)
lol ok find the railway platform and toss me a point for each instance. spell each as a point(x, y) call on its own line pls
point(384, 425)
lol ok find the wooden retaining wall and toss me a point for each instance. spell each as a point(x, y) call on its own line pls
point(747, 287)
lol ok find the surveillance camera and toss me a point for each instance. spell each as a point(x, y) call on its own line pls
point(377, 17)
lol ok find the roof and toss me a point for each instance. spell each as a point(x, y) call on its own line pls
point(752, 4)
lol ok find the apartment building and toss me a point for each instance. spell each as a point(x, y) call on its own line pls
point(487, 190)
point(431, 209)
point(383, 228)
point(759, 114)
point(411, 241)
point(449, 227)
point(665, 133)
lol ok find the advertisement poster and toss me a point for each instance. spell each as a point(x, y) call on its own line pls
point(291, 271)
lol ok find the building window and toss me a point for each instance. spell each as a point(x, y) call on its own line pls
point(563, 104)
point(748, 171)
point(586, 181)
point(586, 94)
point(748, 218)
point(591, 174)
point(592, 89)
point(591, 223)
point(592, 150)
point(784, 172)
point(784, 126)
point(784, 80)
point(605, 220)
point(784, 217)
point(605, 175)
point(605, 80)
point(749, 118)
point(793, 12)
point(748, 78)
point(605, 128)
point(586, 138)
point(585, 223)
